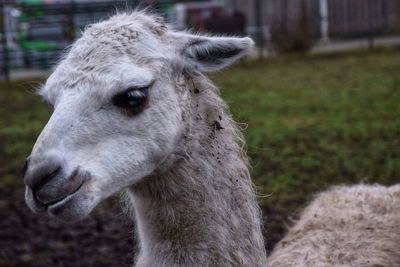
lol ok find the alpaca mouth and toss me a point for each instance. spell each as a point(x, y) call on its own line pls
point(57, 206)
point(62, 198)
point(60, 202)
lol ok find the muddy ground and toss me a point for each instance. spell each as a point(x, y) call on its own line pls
point(105, 239)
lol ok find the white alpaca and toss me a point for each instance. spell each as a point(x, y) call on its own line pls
point(133, 112)
point(346, 226)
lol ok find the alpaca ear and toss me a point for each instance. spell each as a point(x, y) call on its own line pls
point(208, 54)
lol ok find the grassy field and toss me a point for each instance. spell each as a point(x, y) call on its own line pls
point(318, 120)
point(313, 121)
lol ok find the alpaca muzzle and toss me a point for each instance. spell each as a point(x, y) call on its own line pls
point(59, 188)
point(47, 184)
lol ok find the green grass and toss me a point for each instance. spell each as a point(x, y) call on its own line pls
point(313, 121)
point(22, 116)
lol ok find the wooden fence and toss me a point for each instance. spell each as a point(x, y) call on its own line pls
point(296, 21)
point(362, 17)
point(346, 18)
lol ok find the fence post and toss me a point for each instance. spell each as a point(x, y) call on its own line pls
point(6, 67)
point(385, 16)
point(284, 19)
point(258, 21)
point(324, 13)
point(370, 24)
point(71, 21)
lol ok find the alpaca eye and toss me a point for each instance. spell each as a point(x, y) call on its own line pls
point(132, 100)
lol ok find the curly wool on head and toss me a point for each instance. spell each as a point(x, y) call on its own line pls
point(134, 35)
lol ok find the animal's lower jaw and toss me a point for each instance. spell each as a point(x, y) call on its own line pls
point(58, 207)
point(72, 208)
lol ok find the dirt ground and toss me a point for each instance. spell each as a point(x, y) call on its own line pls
point(105, 239)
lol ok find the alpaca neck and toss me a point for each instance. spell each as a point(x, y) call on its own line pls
point(202, 211)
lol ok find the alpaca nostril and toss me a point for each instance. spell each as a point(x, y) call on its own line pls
point(46, 198)
point(59, 188)
point(40, 176)
point(47, 178)
point(41, 182)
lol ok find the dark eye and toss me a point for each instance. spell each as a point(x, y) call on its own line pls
point(133, 100)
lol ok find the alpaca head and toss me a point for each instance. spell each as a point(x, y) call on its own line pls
point(117, 110)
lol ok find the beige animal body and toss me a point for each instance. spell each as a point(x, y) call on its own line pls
point(347, 226)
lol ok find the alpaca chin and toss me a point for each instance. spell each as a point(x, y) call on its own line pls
point(72, 208)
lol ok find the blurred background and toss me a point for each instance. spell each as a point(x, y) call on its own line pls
point(320, 95)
